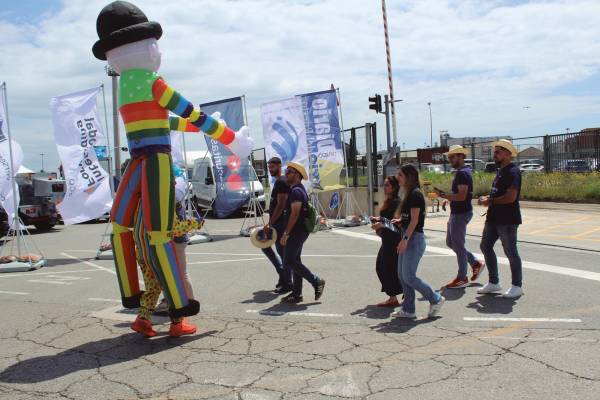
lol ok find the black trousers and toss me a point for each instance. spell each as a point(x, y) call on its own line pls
point(387, 262)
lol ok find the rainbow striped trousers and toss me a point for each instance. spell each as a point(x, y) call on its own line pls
point(149, 181)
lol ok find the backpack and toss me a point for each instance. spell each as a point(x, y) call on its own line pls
point(311, 219)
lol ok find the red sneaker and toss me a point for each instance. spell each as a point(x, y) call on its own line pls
point(389, 303)
point(457, 284)
point(143, 326)
point(182, 328)
point(477, 268)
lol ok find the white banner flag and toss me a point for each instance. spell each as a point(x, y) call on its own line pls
point(77, 130)
point(179, 165)
point(284, 131)
point(6, 186)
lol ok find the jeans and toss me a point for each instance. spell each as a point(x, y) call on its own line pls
point(285, 274)
point(407, 271)
point(291, 259)
point(455, 239)
point(508, 238)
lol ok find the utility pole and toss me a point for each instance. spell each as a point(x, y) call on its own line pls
point(430, 126)
point(386, 100)
point(116, 137)
point(389, 69)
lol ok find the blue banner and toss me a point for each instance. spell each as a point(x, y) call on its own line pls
point(324, 144)
point(231, 175)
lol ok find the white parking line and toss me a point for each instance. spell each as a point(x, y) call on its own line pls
point(30, 274)
point(510, 319)
point(577, 273)
point(16, 293)
point(104, 300)
point(303, 255)
point(225, 261)
point(539, 339)
point(91, 264)
point(294, 313)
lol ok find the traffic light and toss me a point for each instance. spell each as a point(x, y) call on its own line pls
point(375, 103)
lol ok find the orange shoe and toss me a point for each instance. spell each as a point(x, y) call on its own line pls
point(143, 326)
point(477, 268)
point(182, 328)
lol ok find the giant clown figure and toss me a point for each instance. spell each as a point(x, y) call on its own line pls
point(129, 42)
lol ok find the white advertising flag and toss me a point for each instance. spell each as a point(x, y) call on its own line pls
point(179, 165)
point(6, 185)
point(284, 131)
point(77, 130)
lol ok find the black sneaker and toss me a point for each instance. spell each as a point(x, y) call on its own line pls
point(292, 299)
point(319, 288)
point(283, 289)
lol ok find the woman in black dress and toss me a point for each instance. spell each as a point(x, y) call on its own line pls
point(387, 257)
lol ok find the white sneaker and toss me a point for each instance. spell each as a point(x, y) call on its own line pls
point(403, 314)
point(513, 292)
point(434, 309)
point(490, 288)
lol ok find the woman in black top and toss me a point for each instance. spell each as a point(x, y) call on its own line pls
point(387, 260)
point(412, 246)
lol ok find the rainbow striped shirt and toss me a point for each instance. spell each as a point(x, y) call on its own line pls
point(145, 100)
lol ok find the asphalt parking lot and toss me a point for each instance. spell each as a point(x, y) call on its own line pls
point(65, 335)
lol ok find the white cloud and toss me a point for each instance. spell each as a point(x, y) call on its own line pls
point(478, 62)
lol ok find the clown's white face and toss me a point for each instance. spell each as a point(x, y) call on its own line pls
point(143, 54)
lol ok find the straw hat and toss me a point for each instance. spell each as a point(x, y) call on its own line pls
point(258, 239)
point(506, 145)
point(456, 149)
point(299, 168)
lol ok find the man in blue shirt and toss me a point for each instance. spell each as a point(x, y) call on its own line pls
point(279, 196)
point(295, 235)
point(503, 220)
point(461, 213)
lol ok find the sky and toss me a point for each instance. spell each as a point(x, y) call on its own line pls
point(488, 67)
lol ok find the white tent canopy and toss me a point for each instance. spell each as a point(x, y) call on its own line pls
point(24, 170)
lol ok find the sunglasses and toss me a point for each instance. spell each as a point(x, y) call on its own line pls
point(289, 171)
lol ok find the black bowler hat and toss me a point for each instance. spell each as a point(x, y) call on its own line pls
point(121, 23)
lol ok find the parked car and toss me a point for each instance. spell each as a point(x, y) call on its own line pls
point(202, 184)
point(490, 167)
point(4, 225)
point(39, 195)
point(531, 161)
point(436, 168)
point(576, 166)
point(475, 164)
point(529, 168)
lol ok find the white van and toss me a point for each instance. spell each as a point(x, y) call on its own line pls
point(201, 178)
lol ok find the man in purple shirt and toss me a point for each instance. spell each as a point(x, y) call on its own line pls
point(503, 220)
point(461, 213)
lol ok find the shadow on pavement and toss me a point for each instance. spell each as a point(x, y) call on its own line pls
point(60, 262)
point(402, 325)
point(452, 294)
point(374, 312)
point(262, 296)
point(218, 238)
point(90, 356)
point(490, 304)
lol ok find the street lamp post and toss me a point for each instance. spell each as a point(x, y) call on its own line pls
point(117, 138)
point(430, 126)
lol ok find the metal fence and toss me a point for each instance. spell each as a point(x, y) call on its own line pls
point(573, 152)
point(568, 152)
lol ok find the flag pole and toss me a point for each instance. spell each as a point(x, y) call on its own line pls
point(110, 157)
point(15, 221)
